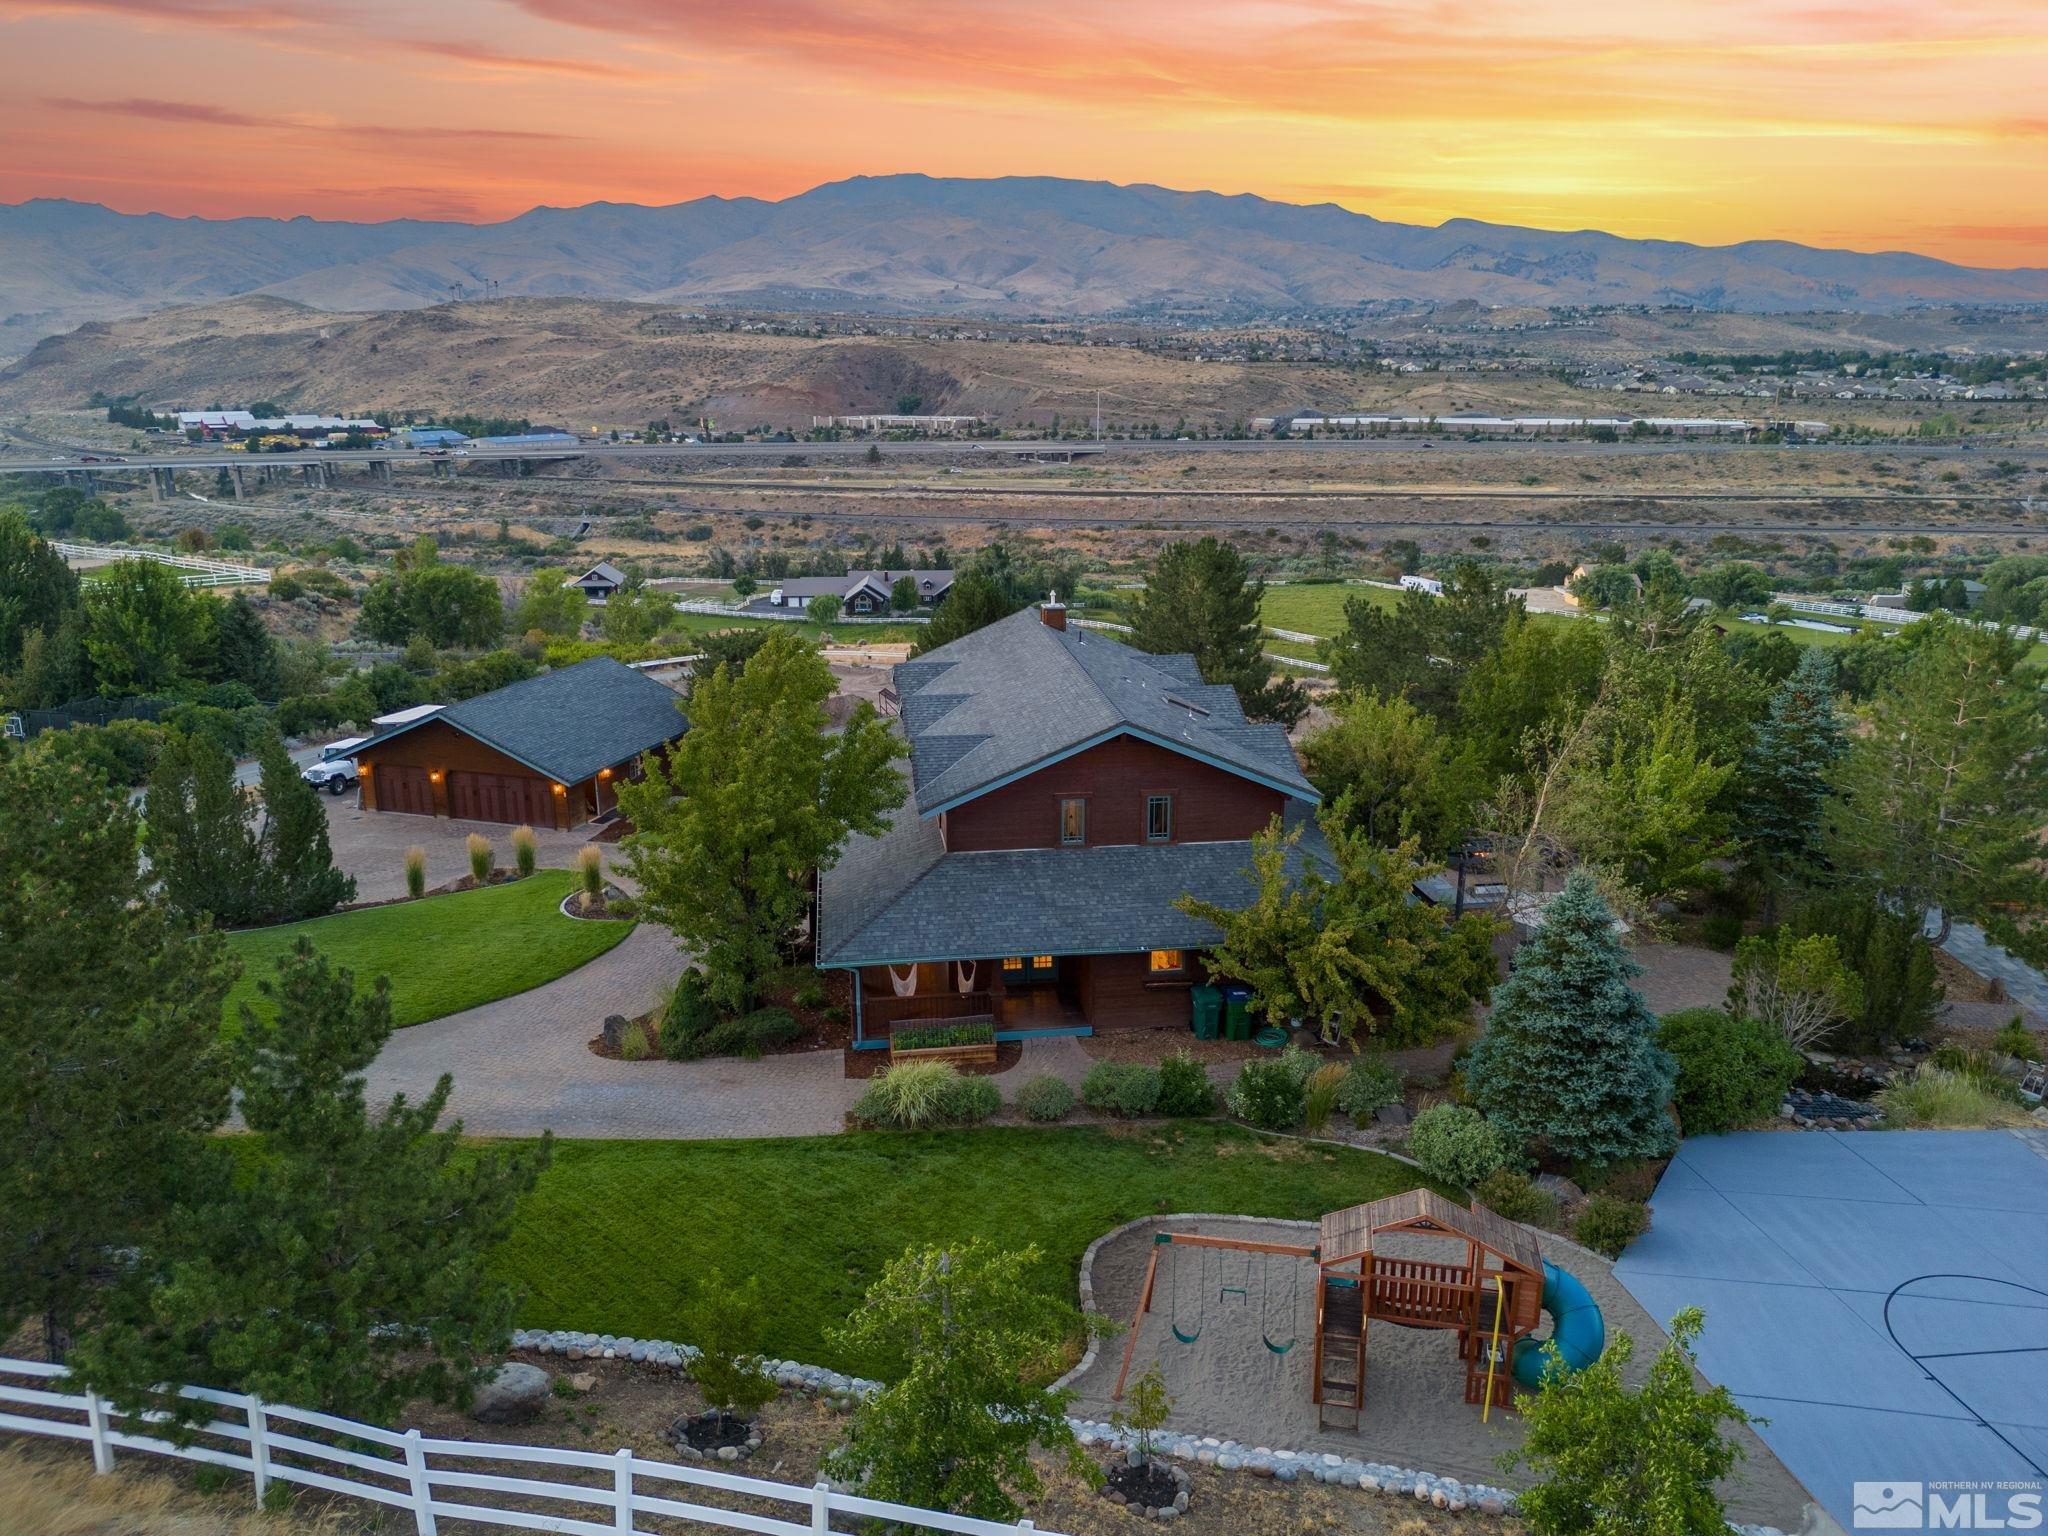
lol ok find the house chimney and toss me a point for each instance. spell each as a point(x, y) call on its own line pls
point(1051, 613)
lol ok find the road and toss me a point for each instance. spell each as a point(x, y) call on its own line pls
point(1570, 447)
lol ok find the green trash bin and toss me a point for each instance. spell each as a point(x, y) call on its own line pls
point(1208, 1006)
point(1237, 1013)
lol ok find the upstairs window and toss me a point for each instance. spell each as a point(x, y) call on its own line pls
point(1159, 818)
point(1073, 823)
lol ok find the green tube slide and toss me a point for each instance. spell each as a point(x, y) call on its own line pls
point(1576, 1328)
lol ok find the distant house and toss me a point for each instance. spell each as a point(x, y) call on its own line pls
point(1064, 790)
point(861, 593)
point(545, 752)
point(599, 582)
point(432, 437)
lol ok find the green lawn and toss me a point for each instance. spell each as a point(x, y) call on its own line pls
point(1318, 610)
point(842, 634)
point(443, 954)
point(617, 1229)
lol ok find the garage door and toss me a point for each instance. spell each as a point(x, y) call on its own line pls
point(401, 787)
point(501, 797)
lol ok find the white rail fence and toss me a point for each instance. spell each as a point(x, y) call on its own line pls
point(417, 1473)
point(196, 570)
point(1895, 615)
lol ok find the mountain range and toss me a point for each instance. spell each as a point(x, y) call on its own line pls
point(1004, 246)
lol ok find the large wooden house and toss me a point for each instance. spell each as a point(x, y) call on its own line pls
point(1064, 789)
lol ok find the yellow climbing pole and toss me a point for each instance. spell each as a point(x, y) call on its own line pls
point(1500, 1297)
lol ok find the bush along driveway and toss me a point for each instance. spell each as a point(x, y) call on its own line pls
point(443, 954)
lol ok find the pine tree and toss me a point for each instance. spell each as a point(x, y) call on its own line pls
point(1203, 600)
point(973, 602)
point(1569, 1058)
point(300, 879)
point(112, 1077)
point(243, 650)
point(200, 842)
point(347, 1267)
point(1785, 775)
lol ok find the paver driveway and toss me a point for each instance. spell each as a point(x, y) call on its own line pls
point(523, 1064)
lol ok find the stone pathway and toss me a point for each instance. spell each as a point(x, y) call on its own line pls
point(523, 1064)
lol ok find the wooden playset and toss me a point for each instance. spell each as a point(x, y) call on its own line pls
point(1493, 1299)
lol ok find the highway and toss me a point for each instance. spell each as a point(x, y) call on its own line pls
point(74, 462)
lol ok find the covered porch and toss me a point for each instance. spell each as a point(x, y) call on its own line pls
point(1025, 996)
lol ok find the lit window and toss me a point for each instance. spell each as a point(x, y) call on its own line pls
point(1165, 961)
point(1027, 968)
point(1159, 818)
point(1041, 962)
point(1073, 822)
point(1013, 963)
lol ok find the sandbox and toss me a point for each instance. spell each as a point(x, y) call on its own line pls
point(1228, 1382)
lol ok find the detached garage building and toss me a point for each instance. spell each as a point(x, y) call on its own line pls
point(546, 752)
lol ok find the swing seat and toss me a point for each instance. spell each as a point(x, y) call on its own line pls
point(1231, 1290)
point(1278, 1349)
point(1186, 1338)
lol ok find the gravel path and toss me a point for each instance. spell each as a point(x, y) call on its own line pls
point(523, 1064)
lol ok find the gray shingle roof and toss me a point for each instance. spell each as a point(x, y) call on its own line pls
point(901, 897)
point(568, 723)
point(1018, 693)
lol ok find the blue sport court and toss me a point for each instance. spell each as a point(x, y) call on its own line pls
point(1880, 1297)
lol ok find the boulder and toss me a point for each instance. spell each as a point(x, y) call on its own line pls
point(515, 1393)
point(1559, 1188)
point(1392, 1115)
point(614, 1030)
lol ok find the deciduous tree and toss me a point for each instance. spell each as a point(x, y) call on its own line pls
point(755, 798)
point(38, 590)
point(147, 632)
point(959, 1334)
point(1796, 984)
point(1395, 771)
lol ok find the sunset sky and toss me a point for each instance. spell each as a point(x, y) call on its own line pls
point(1880, 125)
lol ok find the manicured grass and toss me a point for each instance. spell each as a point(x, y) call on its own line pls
point(842, 634)
point(443, 953)
point(617, 1229)
point(1318, 609)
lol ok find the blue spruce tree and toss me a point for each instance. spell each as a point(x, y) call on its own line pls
point(1569, 1058)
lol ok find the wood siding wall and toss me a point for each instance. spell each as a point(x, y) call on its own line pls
point(1120, 992)
point(1210, 805)
point(438, 748)
point(1111, 991)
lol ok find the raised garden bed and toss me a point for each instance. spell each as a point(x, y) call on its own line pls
point(961, 1041)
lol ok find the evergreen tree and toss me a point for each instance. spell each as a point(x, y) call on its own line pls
point(300, 879)
point(1395, 772)
point(1569, 1058)
point(1785, 776)
point(1423, 648)
point(112, 1077)
point(974, 602)
point(38, 590)
point(346, 1267)
point(1942, 790)
point(201, 845)
point(1203, 600)
point(243, 650)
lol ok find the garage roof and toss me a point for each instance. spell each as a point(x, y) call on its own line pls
point(566, 724)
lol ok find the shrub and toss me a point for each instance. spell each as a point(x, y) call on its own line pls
point(590, 870)
point(1937, 1097)
point(1319, 1097)
point(1045, 1099)
point(523, 850)
point(415, 871)
point(481, 859)
point(1514, 1195)
point(1456, 1145)
point(124, 751)
point(2015, 1039)
point(1731, 1072)
point(624, 906)
point(932, 1037)
point(913, 1095)
point(724, 1322)
point(1608, 1225)
point(304, 713)
point(1267, 1093)
point(286, 588)
point(633, 1043)
point(1184, 1087)
point(751, 1034)
point(1121, 1088)
point(810, 992)
point(687, 1023)
point(1721, 930)
point(1369, 1086)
